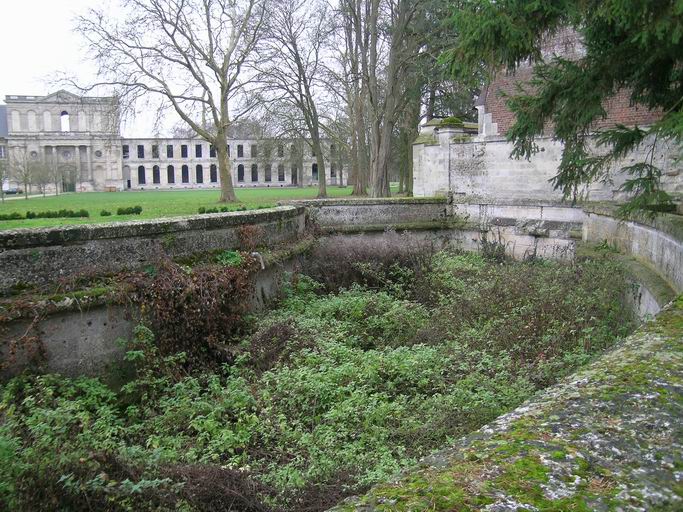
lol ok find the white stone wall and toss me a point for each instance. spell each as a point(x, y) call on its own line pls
point(481, 168)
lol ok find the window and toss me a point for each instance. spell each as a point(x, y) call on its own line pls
point(295, 175)
point(64, 121)
point(254, 150)
point(213, 172)
point(280, 151)
point(185, 172)
point(98, 154)
point(240, 173)
point(126, 151)
point(269, 173)
point(212, 151)
point(198, 150)
point(254, 172)
point(228, 149)
point(240, 151)
point(169, 150)
point(314, 172)
point(141, 175)
point(199, 174)
point(312, 152)
point(333, 171)
point(3, 154)
point(281, 172)
point(170, 174)
point(47, 121)
point(155, 151)
point(333, 150)
point(141, 151)
point(156, 175)
point(183, 151)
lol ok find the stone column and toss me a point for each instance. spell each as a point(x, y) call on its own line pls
point(79, 170)
point(88, 160)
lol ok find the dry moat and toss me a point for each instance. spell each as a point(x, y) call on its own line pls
point(388, 365)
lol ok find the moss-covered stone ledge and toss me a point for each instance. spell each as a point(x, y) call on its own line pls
point(607, 438)
point(38, 257)
point(60, 235)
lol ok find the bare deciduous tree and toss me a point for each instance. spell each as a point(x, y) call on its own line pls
point(4, 176)
point(292, 56)
point(22, 167)
point(190, 54)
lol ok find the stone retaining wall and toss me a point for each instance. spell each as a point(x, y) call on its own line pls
point(658, 242)
point(335, 213)
point(41, 256)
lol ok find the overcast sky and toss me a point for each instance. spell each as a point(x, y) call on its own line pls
point(37, 42)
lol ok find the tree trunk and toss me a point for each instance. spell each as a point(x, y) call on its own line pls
point(227, 188)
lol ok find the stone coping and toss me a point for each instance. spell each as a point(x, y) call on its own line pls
point(61, 235)
point(480, 200)
point(365, 201)
point(606, 438)
point(668, 223)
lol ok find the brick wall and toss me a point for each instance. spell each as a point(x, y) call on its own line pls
point(567, 44)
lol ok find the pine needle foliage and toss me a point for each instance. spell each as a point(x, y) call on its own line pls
point(632, 45)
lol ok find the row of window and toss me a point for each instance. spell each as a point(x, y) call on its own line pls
point(47, 126)
point(184, 174)
point(213, 173)
point(198, 151)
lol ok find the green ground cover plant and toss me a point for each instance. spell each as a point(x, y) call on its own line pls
point(154, 204)
point(333, 390)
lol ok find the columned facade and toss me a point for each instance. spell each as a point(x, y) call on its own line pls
point(76, 141)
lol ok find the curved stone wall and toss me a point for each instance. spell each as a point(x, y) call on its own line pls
point(658, 242)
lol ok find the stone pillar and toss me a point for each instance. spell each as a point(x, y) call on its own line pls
point(79, 170)
point(88, 160)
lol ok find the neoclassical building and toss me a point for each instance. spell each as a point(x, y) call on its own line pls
point(80, 136)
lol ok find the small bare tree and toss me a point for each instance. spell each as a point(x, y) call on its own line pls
point(4, 176)
point(292, 54)
point(41, 176)
point(22, 167)
point(189, 54)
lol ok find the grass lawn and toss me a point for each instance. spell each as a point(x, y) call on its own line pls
point(154, 203)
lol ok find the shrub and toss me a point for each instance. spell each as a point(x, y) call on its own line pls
point(11, 216)
point(130, 210)
point(105, 213)
point(56, 214)
point(195, 310)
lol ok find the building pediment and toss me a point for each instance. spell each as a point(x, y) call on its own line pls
point(61, 96)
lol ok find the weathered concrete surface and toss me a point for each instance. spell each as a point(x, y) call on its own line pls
point(76, 342)
point(610, 437)
point(525, 229)
point(79, 331)
point(658, 242)
point(330, 213)
point(41, 256)
point(480, 168)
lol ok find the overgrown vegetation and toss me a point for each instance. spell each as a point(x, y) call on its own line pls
point(339, 387)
